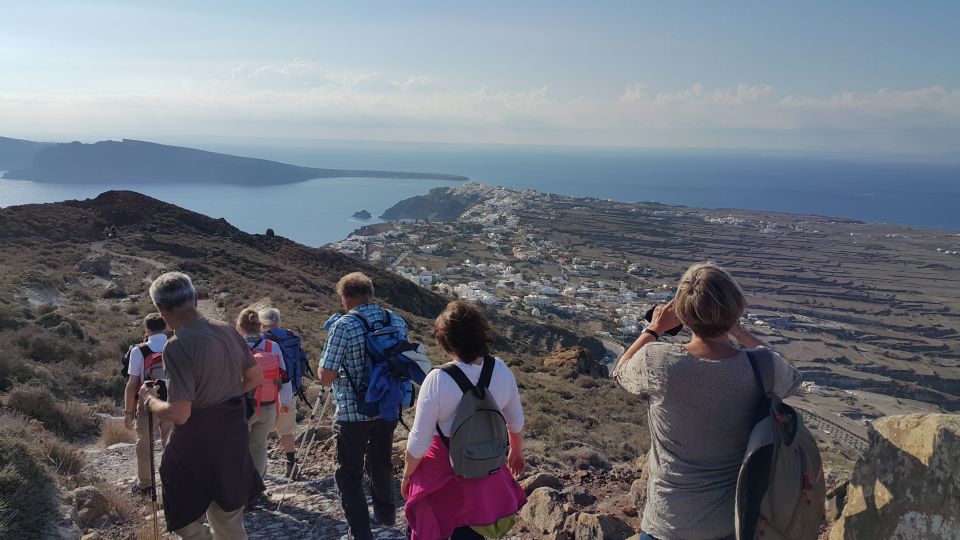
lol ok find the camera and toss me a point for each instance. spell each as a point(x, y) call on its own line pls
point(649, 317)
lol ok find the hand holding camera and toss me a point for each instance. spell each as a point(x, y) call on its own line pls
point(663, 320)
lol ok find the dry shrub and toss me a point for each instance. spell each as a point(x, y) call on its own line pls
point(123, 507)
point(27, 495)
point(68, 419)
point(107, 405)
point(113, 432)
point(64, 458)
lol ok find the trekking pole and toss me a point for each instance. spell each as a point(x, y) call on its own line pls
point(310, 440)
point(153, 479)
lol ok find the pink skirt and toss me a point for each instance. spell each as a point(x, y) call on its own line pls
point(441, 501)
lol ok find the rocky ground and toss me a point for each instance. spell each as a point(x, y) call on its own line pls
point(586, 503)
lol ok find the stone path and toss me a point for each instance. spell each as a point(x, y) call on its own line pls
point(311, 508)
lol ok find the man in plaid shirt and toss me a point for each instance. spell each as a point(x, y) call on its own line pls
point(360, 439)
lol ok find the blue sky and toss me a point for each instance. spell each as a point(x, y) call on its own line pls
point(874, 77)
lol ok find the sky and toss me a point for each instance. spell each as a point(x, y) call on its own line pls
point(870, 77)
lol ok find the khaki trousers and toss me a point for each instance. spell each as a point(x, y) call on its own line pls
point(221, 525)
point(143, 445)
point(260, 427)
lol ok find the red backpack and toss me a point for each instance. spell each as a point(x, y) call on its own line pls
point(153, 367)
point(269, 362)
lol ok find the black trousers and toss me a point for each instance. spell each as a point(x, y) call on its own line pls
point(465, 533)
point(365, 446)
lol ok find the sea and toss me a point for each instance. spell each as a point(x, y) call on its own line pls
point(319, 211)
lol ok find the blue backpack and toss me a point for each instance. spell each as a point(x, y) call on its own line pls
point(393, 368)
point(293, 356)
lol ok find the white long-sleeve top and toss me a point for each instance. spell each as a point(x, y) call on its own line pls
point(440, 396)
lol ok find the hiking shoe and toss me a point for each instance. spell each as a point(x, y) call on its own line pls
point(379, 521)
point(291, 473)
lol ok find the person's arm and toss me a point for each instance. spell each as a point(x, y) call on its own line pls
point(515, 460)
point(252, 378)
point(748, 340)
point(424, 426)
point(333, 352)
point(410, 465)
point(286, 388)
point(664, 319)
point(177, 412)
point(130, 400)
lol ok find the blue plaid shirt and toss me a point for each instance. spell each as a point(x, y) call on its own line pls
point(346, 350)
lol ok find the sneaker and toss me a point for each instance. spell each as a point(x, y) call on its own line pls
point(380, 521)
point(291, 474)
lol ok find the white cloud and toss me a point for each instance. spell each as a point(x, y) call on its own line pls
point(304, 99)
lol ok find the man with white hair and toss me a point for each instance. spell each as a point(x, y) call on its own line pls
point(206, 467)
point(296, 361)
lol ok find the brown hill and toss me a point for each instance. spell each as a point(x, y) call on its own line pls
point(73, 283)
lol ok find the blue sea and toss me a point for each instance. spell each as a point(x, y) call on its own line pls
point(319, 211)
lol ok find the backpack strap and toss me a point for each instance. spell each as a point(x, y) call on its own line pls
point(763, 405)
point(257, 344)
point(459, 377)
point(486, 372)
point(363, 320)
point(144, 350)
point(465, 385)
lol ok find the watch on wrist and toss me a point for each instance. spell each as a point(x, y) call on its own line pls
point(652, 332)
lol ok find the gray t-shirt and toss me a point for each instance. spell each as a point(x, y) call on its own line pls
point(204, 363)
point(701, 415)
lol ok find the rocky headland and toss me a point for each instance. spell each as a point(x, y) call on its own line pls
point(135, 162)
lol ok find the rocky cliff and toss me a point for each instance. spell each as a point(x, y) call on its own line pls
point(907, 484)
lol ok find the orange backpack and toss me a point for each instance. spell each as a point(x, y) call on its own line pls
point(269, 362)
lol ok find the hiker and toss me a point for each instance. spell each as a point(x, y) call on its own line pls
point(206, 468)
point(274, 391)
point(441, 502)
point(295, 360)
point(363, 441)
point(703, 395)
point(150, 350)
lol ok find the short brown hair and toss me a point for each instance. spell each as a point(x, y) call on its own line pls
point(153, 322)
point(709, 302)
point(463, 331)
point(355, 285)
point(249, 321)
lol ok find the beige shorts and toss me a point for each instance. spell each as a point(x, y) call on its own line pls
point(286, 423)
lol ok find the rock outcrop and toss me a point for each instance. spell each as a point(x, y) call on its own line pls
point(544, 512)
point(907, 484)
point(97, 265)
point(577, 359)
point(540, 480)
point(91, 506)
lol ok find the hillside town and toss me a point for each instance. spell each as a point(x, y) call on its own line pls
point(505, 252)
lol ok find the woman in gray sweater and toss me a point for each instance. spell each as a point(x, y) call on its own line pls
point(702, 397)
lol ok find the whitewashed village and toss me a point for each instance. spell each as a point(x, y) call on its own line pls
point(498, 254)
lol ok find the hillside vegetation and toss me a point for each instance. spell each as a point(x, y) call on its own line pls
point(73, 284)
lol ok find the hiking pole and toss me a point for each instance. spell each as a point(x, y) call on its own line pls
point(310, 440)
point(153, 478)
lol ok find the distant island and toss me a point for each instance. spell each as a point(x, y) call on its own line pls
point(140, 162)
point(362, 214)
